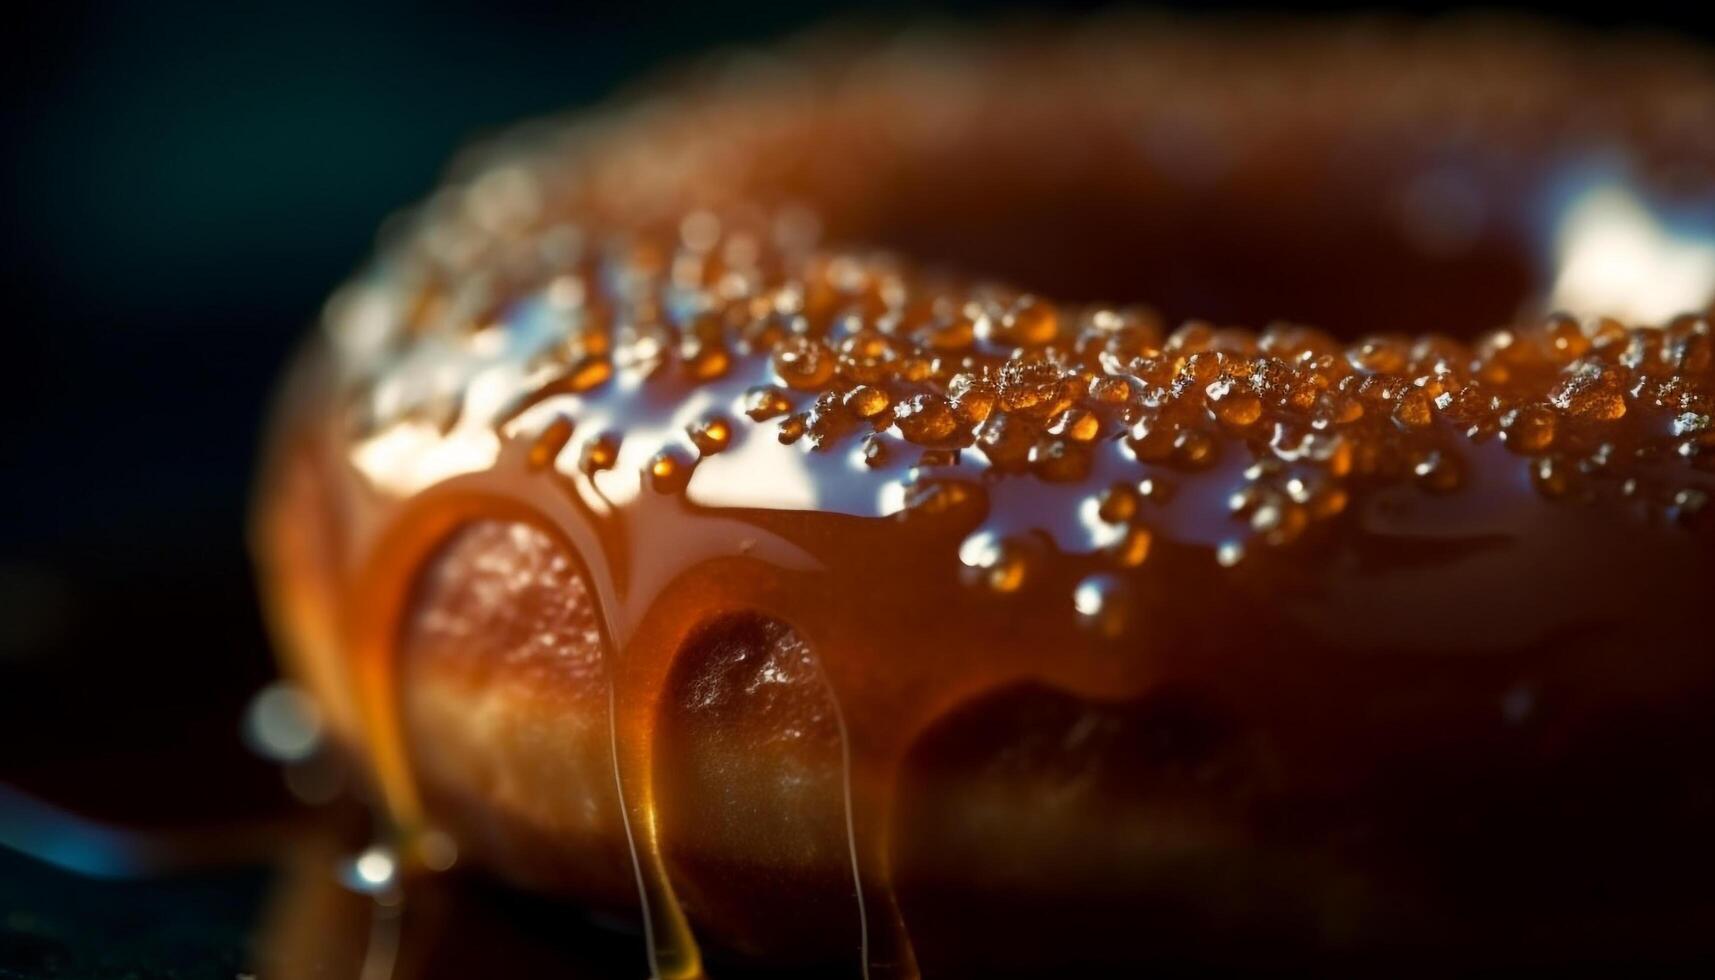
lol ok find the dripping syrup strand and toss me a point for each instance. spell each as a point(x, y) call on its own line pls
point(381, 952)
point(682, 959)
point(851, 823)
point(672, 947)
point(394, 555)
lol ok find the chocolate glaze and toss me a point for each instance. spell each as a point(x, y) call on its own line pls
point(673, 469)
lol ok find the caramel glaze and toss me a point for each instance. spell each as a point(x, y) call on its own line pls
point(670, 513)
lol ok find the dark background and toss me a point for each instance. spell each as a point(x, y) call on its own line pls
point(184, 184)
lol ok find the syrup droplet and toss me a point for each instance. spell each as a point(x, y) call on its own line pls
point(1413, 408)
point(1232, 404)
point(1438, 471)
point(1155, 488)
point(1102, 604)
point(1589, 390)
point(587, 372)
point(1060, 460)
point(867, 402)
point(973, 397)
point(1131, 548)
point(1117, 504)
point(599, 453)
point(874, 451)
point(549, 444)
point(765, 402)
point(1077, 424)
point(1030, 323)
point(1006, 440)
point(670, 469)
point(1551, 476)
point(793, 427)
point(927, 496)
point(926, 419)
point(704, 357)
point(1193, 448)
point(803, 363)
point(997, 564)
point(1528, 430)
point(711, 434)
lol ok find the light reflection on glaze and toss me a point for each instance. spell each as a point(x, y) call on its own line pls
point(1616, 256)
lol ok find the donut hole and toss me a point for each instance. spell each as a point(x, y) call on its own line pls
point(1352, 250)
point(749, 790)
point(1349, 270)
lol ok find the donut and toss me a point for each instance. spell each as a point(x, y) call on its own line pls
point(1072, 497)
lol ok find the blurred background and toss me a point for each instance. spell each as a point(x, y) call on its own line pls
point(184, 184)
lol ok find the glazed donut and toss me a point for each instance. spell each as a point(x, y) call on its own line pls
point(768, 509)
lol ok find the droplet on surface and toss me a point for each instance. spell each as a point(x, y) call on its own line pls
point(587, 372)
point(866, 402)
point(793, 427)
point(1438, 471)
point(925, 419)
point(1528, 430)
point(765, 402)
point(1131, 548)
point(547, 446)
point(995, 563)
point(1005, 440)
point(1231, 404)
point(711, 434)
point(1101, 602)
point(804, 363)
point(1117, 504)
point(670, 469)
point(1030, 323)
point(599, 453)
point(1590, 391)
point(873, 451)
